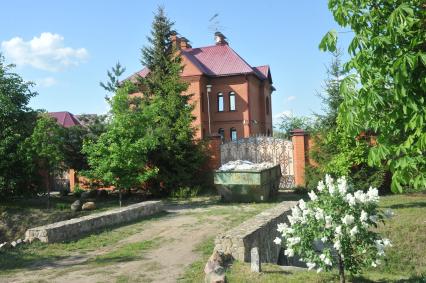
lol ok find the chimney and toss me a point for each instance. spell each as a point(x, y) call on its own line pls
point(176, 41)
point(184, 43)
point(220, 39)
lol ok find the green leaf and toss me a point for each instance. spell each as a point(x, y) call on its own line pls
point(329, 41)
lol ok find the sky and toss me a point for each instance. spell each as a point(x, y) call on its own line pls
point(66, 47)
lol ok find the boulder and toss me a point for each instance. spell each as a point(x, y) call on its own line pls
point(19, 241)
point(4, 245)
point(13, 244)
point(215, 273)
point(76, 206)
point(90, 205)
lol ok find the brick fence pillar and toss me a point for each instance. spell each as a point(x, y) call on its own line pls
point(300, 154)
point(215, 140)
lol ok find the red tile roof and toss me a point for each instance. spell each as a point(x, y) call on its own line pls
point(65, 119)
point(217, 60)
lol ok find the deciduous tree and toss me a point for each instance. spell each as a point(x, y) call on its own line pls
point(386, 90)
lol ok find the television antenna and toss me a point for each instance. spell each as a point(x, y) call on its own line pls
point(214, 24)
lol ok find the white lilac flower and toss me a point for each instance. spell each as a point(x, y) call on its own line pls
point(389, 213)
point(350, 199)
point(329, 181)
point(320, 186)
point(364, 216)
point(372, 195)
point(338, 231)
point(353, 231)
point(373, 264)
point(342, 185)
point(302, 204)
point(289, 252)
point(380, 247)
point(324, 239)
point(282, 227)
point(319, 270)
point(328, 220)
point(293, 241)
point(319, 214)
point(313, 196)
point(337, 245)
point(277, 241)
point(360, 196)
point(348, 219)
point(325, 259)
point(310, 265)
point(387, 242)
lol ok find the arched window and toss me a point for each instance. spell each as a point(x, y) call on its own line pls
point(233, 134)
point(220, 102)
point(267, 106)
point(232, 106)
point(221, 132)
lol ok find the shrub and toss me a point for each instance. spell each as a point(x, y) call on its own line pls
point(78, 191)
point(334, 228)
point(186, 192)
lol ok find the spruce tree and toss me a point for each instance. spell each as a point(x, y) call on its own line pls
point(177, 157)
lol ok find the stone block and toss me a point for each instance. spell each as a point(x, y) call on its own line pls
point(77, 227)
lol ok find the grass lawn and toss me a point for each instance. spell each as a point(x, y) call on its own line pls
point(405, 261)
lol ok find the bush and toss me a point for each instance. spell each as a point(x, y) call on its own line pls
point(186, 192)
point(78, 191)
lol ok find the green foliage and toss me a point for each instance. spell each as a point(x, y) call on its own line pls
point(77, 191)
point(290, 123)
point(186, 192)
point(73, 138)
point(334, 150)
point(17, 176)
point(177, 157)
point(387, 96)
point(95, 124)
point(120, 156)
point(45, 145)
point(113, 82)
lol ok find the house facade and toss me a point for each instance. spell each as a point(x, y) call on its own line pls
point(231, 97)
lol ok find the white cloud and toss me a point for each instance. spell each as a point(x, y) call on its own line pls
point(291, 98)
point(46, 82)
point(46, 52)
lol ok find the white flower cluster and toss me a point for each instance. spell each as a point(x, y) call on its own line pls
point(339, 224)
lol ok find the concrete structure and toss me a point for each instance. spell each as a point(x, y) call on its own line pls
point(257, 232)
point(231, 97)
point(77, 227)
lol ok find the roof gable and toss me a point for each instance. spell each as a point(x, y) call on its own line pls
point(65, 119)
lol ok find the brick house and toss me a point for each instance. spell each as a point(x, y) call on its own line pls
point(231, 97)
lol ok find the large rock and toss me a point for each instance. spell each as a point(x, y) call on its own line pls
point(90, 205)
point(76, 206)
point(214, 270)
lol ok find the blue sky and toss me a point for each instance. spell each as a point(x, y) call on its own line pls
point(67, 46)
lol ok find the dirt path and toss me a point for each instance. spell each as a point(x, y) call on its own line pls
point(176, 234)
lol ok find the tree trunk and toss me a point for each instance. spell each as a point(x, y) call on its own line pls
point(341, 269)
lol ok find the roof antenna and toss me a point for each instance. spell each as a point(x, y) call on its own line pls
point(214, 24)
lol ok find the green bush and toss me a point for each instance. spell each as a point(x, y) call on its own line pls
point(186, 192)
point(62, 206)
point(78, 191)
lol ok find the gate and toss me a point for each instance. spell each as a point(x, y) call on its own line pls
point(262, 149)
